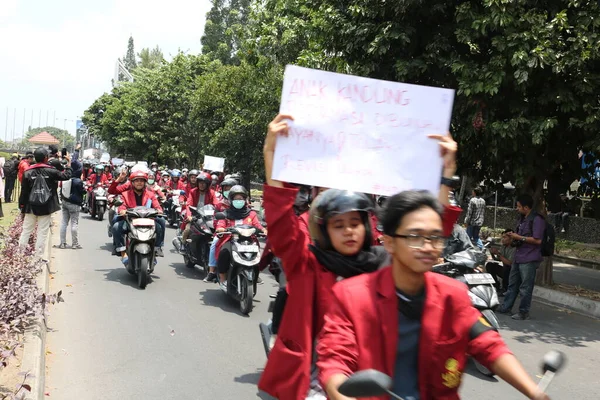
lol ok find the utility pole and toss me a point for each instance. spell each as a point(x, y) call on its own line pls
point(14, 122)
point(24, 111)
point(64, 128)
point(40, 120)
point(31, 122)
point(6, 127)
point(47, 115)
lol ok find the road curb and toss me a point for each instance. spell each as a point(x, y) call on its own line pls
point(580, 305)
point(578, 262)
point(34, 350)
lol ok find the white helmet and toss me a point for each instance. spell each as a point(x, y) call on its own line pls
point(140, 167)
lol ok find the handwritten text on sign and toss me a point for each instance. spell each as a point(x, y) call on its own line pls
point(361, 134)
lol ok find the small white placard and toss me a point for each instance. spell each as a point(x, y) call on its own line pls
point(214, 163)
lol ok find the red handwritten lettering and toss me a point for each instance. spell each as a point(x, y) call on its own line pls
point(303, 165)
point(309, 88)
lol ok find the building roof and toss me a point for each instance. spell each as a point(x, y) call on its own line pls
point(44, 138)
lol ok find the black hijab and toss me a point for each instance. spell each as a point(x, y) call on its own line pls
point(235, 214)
point(349, 266)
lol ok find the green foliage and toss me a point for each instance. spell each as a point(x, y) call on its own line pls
point(129, 60)
point(525, 73)
point(150, 58)
point(225, 24)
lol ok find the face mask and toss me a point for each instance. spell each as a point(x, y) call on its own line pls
point(151, 181)
point(239, 204)
point(301, 199)
point(226, 194)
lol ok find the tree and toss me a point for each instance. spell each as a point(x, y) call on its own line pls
point(233, 105)
point(223, 31)
point(151, 58)
point(129, 59)
point(64, 137)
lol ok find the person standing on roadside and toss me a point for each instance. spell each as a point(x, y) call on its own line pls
point(528, 240)
point(11, 167)
point(72, 192)
point(24, 165)
point(1, 185)
point(39, 198)
point(475, 216)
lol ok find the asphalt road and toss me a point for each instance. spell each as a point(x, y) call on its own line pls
point(184, 339)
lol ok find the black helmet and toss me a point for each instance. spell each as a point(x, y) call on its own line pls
point(194, 172)
point(237, 189)
point(333, 202)
point(237, 178)
point(228, 182)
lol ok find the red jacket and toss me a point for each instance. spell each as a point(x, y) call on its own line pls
point(173, 186)
point(251, 219)
point(194, 196)
point(376, 234)
point(23, 166)
point(287, 373)
point(104, 178)
point(116, 188)
point(361, 332)
point(129, 200)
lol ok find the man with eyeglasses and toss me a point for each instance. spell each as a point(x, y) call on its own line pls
point(412, 324)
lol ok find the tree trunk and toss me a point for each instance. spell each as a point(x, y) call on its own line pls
point(544, 274)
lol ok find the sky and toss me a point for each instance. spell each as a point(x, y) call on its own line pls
point(58, 56)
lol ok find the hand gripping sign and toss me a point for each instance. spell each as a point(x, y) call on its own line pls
point(361, 134)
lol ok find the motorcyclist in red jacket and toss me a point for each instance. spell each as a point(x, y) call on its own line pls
point(409, 322)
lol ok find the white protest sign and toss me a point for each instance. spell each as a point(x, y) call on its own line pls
point(361, 134)
point(214, 163)
point(88, 153)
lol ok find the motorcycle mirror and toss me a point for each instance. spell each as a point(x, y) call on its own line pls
point(220, 215)
point(367, 383)
point(553, 361)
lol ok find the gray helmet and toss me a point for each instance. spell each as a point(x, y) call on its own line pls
point(237, 189)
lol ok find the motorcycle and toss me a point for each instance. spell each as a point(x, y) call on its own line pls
point(462, 266)
point(174, 208)
point(268, 331)
point(372, 383)
point(243, 271)
point(202, 230)
point(99, 202)
point(141, 236)
point(114, 201)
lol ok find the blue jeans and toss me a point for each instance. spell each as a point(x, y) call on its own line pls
point(473, 233)
point(212, 255)
point(119, 230)
point(520, 281)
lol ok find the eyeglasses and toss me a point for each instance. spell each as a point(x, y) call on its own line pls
point(418, 241)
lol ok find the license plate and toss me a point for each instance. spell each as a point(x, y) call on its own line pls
point(209, 213)
point(479, 279)
point(100, 198)
point(252, 248)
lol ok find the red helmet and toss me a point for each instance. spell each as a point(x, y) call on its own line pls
point(138, 175)
point(204, 177)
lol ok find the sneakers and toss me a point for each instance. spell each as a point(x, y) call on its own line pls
point(520, 316)
point(223, 286)
point(503, 311)
point(210, 277)
point(61, 246)
point(259, 281)
point(76, 247)
point(159, 252)
point(125, 261)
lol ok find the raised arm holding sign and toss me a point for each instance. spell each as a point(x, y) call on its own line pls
point(360, 134)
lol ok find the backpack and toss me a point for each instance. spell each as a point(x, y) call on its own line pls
point(548, 238)
point(40, 192)
point(65, 189)
point(9, 168)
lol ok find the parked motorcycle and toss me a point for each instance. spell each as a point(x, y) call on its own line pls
point(141, 237)
point(243, 271)
point(99, 202)
point(202, 230)
point(463, 266)
point(372, 383)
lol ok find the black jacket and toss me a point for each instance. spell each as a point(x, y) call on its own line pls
point(52, 176)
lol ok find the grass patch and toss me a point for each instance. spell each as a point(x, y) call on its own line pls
point(575, 249)
point(11, 210)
